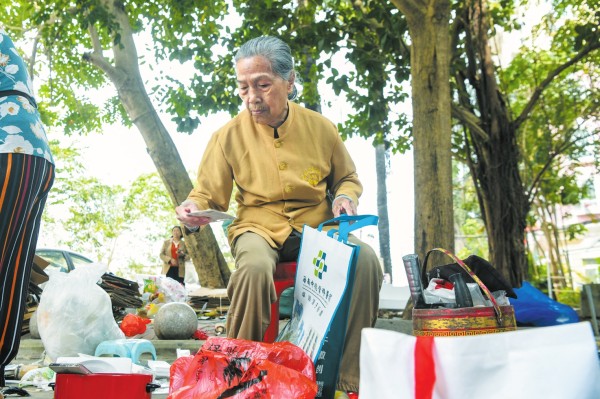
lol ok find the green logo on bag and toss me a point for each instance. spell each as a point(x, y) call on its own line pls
point(320, 266)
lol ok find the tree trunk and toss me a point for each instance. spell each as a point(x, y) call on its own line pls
point(428, 23)
point(548, 222)
point(382, 203)
point(204, 250)
point(310, 62)
point(503, 202)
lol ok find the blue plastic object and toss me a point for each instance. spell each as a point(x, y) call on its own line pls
point(131, 348)
point(534, 308)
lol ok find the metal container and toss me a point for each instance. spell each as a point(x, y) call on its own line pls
point(463, 321)
point(444, 322)
point(103, 386)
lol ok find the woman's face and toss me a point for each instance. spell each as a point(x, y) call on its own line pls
point(176, 232)
point(264, 93)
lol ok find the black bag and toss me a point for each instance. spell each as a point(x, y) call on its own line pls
point(481, 267)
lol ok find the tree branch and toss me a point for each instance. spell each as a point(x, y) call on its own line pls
point(470, 120)
point(33, 57)
point(551, 75)
point(96, 45)
point(99, 61)
point(410, 8)
point(456, 27)
point(558, 151)
point(96, 57)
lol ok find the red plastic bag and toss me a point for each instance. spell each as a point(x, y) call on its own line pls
point(133, 325)
point(241, 369)
point(283, 353)
point(200, 334)
point(178, 372)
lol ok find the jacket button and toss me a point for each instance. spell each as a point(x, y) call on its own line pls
point(282, 165)
point(288, 188)
point(278, 143)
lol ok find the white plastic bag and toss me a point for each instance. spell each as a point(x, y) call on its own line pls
point(437, 292)
point(75, 314)
point(161, 289)
point(555, 362)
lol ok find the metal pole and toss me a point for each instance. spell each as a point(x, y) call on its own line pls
point(588, 291)
point(549, 278)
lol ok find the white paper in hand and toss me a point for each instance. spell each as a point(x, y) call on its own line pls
point(213, 215)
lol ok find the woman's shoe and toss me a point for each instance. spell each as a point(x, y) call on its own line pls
point(10, 391)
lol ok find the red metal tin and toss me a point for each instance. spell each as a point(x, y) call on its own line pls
point(464, 321)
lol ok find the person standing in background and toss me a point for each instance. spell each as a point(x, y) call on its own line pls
point(174, 254)
point(26, 176)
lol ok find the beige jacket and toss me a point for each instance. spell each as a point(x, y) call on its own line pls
point(165, 256)
point(282, 182)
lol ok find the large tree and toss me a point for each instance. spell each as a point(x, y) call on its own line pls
point(428, 23)
point(492, 128)
point(479, 103)
point(493, 153)
point(89, 43)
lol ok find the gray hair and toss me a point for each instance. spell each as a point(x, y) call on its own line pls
point(276, 51)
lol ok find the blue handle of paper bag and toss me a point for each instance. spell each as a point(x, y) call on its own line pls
point(345, 227)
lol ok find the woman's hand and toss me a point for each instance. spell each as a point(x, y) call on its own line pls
point(191, 222)
point(343, 205)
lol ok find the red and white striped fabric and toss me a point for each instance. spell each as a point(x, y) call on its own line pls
point(548, 362)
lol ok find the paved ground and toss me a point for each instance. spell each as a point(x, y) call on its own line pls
point(31, 351)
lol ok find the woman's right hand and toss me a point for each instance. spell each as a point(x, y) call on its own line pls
point(183, 215)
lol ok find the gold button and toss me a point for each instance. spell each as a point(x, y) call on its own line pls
point(289, 188)
point(278, 143)
point(282, 165)
point(291, 221)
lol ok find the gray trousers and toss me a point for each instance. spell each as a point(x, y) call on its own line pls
point(251, 291)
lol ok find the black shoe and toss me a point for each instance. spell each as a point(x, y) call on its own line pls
point(13, 391)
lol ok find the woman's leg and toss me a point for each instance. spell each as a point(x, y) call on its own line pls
point(25, 182)
point(251, 289)
point(173, 273)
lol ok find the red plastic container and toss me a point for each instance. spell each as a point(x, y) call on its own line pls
point(103, 386)
point(285, 272)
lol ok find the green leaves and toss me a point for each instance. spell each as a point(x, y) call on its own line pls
point(202, 36)
point(92, 217)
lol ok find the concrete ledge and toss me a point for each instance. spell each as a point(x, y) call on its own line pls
point(392, 297)
point(32, 350)
point(398, 325)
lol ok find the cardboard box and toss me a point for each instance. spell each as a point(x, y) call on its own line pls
point(38, 275)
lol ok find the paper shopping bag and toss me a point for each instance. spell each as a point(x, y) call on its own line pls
point(322, 293)
point(556, 362)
